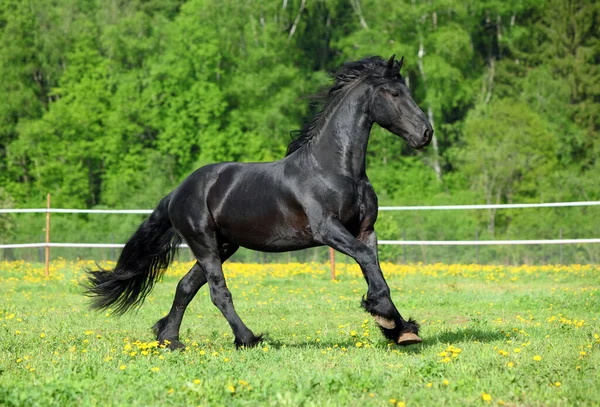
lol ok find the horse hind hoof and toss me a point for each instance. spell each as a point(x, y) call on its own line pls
point(408, 338)
point(173, 344)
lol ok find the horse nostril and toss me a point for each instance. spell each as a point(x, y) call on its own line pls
point(428, 135)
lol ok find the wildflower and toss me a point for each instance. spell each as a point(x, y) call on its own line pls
point(510, 364)
point(557, 384)
point(429, 384)
point(155, 369)
point(359, 344)
point(196, 381)
point(537, 358)
point(486, 397)
point(123, 367)
point(231, 389)
point(446, 382)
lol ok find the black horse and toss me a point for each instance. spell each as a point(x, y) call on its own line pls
point(318, 194)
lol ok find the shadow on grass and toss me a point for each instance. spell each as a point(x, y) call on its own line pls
point(447, 337)
point(458, 336)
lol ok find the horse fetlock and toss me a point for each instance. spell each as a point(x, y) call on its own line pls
point(384, 322)
point(248, 342)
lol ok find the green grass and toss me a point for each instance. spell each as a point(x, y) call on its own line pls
point(56, 352)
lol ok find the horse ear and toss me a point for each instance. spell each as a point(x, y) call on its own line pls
point(390, 64)
point(400, 63)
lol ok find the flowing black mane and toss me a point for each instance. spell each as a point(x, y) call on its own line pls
point(349, 73)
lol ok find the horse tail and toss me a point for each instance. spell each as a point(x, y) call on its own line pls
point(142, 262)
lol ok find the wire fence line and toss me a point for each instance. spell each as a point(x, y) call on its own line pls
point(381, 208)
point(382, 242)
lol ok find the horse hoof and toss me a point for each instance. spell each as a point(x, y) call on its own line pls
point(384, 322)
point(173, 344)
point(408, 338)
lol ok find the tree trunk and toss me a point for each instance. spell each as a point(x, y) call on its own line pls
point(435, 163)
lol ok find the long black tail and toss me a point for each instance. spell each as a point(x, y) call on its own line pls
point(142, 262)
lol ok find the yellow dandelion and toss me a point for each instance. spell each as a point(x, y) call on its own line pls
point(510, 364)
point(486, 397)
point(557, 384)
point(155, 369)
point(429, 384)
point(123, 367)
point(537, 358)
point(231, 389)
point(196, 381)
point(446, 382)
point(400, 404)
point(42, 335)
point(359, 344)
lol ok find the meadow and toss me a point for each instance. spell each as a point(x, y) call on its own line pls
point(493, 335)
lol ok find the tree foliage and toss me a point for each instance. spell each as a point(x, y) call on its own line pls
point(111, 104)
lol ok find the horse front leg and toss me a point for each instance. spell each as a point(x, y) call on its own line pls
point(378, 301)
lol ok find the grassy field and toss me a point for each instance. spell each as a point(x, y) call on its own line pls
point(493, 335)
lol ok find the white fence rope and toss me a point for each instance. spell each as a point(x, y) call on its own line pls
point(381, 208)
point(382, 242)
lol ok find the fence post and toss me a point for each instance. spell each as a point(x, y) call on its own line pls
point(47, 235)
point(332, 262)
point(561, 248)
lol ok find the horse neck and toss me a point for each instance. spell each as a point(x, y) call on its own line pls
point(341, 144)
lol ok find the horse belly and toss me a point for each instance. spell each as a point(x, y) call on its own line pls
point(268, 228)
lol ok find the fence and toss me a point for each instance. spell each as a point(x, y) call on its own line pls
point(48, 210)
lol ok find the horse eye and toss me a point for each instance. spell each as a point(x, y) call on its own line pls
point(394, 93)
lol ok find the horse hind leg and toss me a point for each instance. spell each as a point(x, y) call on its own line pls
point(167, 328)
point(206, 250)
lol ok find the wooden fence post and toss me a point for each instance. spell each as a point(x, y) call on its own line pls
point(47, 235)
point(332, 262)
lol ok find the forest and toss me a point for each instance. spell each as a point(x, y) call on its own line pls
point(110, 104)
